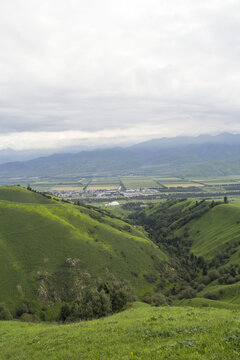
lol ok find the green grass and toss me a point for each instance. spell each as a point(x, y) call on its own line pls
point(202, 302)
point(140, 332)
point(36, 239)
point(212, 231)
point(18, 194)
point(139, 182)
point(229, 294)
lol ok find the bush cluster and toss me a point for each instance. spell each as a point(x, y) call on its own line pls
point(4, 313)
point(157, 299)
point(107, 298)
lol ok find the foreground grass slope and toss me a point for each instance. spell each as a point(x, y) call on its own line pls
point(47, 246)
point(141, 332)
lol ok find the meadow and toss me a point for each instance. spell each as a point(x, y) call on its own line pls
point(141, 332)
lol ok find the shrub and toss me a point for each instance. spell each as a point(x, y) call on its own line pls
point(210, 296)
point(200, 287)
point(231, 280)
point(24, 308)
point(120, 292)
point(213, 275)
point(4, 313)
point(29, 318)
point(187, 293)
point(94, 304)
point(64, 313)
point(206, 280)
point(151, 278)
point(157, 299)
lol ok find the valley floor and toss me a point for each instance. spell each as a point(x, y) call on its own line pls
point(141, 332)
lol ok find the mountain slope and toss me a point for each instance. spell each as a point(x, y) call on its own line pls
point(18, 194)
point(208, 227)
point(215, 168)
point(215, 231)
point(49, 251)
point(203, 243)
point(156, 155)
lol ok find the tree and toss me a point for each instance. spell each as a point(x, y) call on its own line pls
point(205, 271)
point(225, 200)
point(64, 313)
point(212, 204)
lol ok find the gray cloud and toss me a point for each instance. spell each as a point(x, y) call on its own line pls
point(117, 71)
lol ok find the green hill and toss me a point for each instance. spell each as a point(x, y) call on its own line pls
point(209, 228)
point(21, 195)
point(215, 231)
point(50, 249)
point(202, 240)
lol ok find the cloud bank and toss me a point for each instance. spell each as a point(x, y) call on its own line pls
point(94, 72)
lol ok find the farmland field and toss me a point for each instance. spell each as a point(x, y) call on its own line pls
point(103, 187)
point(67, 188)
point(105, 180)
point(219, 181)
point(103, 183)
point(184, 185)
point(130, 183)
point(137, 182)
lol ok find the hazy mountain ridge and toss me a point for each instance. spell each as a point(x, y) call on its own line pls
point(168, 154)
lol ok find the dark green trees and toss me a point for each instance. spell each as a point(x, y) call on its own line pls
point(106, 298)
point(4, 313)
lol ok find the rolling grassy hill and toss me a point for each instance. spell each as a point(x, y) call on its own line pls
point(210, 229)
point(20, 195)
point(141, 332)
point(215, 230)
point(49, 249)
point(203, 242)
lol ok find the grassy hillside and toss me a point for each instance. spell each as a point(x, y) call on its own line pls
point(212, 232)
point(209, 228)
point(50, 249)
point(141, 332)
point(18, 194)
point(213, 168)
point(203, 243)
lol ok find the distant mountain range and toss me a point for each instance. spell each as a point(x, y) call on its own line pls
point(158, 156)
point(10, 155)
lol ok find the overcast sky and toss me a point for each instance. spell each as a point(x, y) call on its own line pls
point(95, 72)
